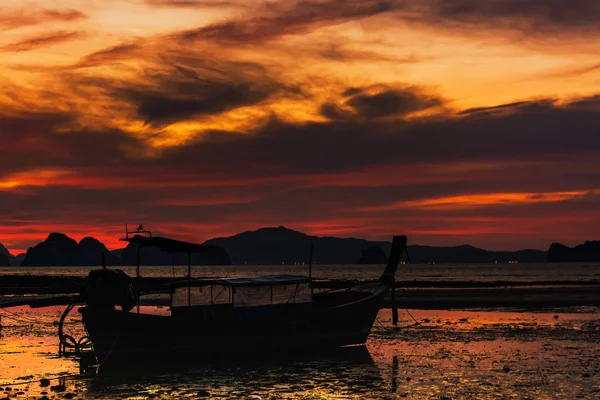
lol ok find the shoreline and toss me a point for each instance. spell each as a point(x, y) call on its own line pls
point(424, 295)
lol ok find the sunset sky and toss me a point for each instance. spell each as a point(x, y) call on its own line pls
point(450, 121)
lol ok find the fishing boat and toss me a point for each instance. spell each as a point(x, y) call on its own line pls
point(236, 316)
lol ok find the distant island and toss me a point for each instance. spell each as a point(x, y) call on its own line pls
point(587, 252)
point(265, 246)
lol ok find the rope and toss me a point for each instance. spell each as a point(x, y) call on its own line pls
point(413, 318)
point(68, 341)
point(21, 317)
point(113, 346)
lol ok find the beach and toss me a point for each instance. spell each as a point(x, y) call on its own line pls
point(469, 334)
point(439, 354)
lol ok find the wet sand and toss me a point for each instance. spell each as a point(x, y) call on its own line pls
point(445, 355)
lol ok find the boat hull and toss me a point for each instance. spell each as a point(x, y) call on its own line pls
point(232, 331)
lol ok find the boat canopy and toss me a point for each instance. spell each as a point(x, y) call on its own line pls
point(168, 245)
point(258, 281)
point(244, 292)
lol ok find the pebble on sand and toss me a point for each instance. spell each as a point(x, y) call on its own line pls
point(203, 393)
point(44, 382)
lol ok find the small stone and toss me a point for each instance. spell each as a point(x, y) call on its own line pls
point(506, 369)
point(586, 375)
point(464, 319)
point(44, 382)
point(58, 388)
point(203, 393)
point(43, 393)
point(44, 398)
point(20, 393)
point(8, 389)
point(69, 395)
point(408, 378)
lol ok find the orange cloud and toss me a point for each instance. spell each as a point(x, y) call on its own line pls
point(484, 200)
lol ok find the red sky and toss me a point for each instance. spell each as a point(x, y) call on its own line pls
point(451, 121)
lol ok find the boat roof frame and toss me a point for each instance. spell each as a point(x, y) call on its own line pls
point(268, 280)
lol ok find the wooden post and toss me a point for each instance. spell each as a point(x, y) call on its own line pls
point(310, 261)
point(394, 306)
point(189, 279)
point(137, 274)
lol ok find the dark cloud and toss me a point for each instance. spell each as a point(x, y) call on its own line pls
point(380, 101)
point(278, 20)
point(538, 131)
point(169, 104)
point(190, 3)
point(500, 107)
point(543, 17)
point(39, 140)
point(181, 92)
point(391, 102)
point(27, 17)
point(44, 40)
point(110, 55)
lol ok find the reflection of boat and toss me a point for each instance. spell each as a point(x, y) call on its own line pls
point(214, 317)
point(348, 370)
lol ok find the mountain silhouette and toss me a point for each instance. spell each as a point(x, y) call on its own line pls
point(285, 246)
point(5, 256)
point(264, 246)
point(269, 246)
point(372, 255)
point(586, 252)
point(92, 251)
point(57, 249)
point(155, 256)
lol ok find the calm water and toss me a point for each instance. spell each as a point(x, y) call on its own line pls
point(438, 272)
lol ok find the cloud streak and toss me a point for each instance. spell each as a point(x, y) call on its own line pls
point(12, 19)
point(45, 40)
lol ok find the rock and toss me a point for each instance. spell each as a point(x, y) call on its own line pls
point(44, 382)
point(58, 388)
point(203, 393)
point(8, 389)
point(69, 395)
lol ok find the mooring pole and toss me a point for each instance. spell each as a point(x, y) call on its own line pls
point(310, 261)
point(394, 306)
point(189, 279)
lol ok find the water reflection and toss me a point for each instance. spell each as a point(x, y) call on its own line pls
point(346, 373)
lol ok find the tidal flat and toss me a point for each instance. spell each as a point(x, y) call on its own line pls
point(432, 354)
